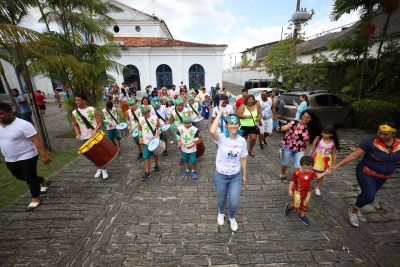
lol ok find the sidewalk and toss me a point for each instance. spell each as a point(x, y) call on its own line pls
point(170, 221)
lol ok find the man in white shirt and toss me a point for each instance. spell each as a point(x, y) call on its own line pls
point(21, 147)
point(267, 118)
point(162, 114)
point(226, 110)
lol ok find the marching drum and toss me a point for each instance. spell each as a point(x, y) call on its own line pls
point(168, 132)
point(122, 129)
point(99, 150)
point(156, 146)
point(200, 123)
point(200, 148)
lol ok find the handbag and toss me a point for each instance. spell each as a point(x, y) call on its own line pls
point(255, 124)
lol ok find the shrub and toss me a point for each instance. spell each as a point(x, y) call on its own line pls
point(369, 113)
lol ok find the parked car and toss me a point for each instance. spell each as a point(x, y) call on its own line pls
point(257, 91)
point(257, 83)
point(330, 108)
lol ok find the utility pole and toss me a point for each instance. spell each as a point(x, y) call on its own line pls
point(235, 62)
point(299, 17)
point(296, 27)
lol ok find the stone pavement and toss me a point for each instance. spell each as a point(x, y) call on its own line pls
point(170, 221)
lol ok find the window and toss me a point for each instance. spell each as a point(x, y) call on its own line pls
point(131, 76)
point(196, 76)
point(322, 100)
point(137, 28)
point(164, 76)
point(288, 99)
point(116, 29)
point(336, 101)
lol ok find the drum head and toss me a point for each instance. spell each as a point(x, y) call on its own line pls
point(153, 144)
point(197, 119)
point(121, 126)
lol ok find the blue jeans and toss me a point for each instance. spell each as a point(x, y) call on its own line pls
point(288, 154)
point(27, 116)
point(228, 184)
point(369, 187)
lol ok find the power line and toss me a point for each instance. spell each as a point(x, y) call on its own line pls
point(141, 11)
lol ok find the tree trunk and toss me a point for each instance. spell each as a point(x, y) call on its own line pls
point(43, 15)
point(8, 88)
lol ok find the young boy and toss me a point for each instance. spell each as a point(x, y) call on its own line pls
point(188, 136)
point(300, 188)
point(205, 107)
point(133, 116)
point(148, 125)
point(111, 119)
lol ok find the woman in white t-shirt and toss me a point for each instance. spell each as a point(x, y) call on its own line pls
point(231, 164)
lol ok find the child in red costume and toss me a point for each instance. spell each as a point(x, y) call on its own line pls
point(300, 188)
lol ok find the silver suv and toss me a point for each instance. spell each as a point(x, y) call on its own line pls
point(330, 108)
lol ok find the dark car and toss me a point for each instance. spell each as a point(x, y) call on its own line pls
point(257, 83)
point(330, 108)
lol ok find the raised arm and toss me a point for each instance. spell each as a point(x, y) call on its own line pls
point(214, 125)
point(352, 156)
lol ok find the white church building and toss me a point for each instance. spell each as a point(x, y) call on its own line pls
point(150, 56)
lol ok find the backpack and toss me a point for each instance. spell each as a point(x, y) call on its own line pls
point(281, 104)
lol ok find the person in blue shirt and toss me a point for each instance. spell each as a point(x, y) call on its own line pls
point(303, 106)
point(23, 105)
point(380, 154)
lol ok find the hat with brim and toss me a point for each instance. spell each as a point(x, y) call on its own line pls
point(178, 101)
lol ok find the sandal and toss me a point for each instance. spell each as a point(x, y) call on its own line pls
point(251, 154)
point(43, 189)
point(33, 205)
point(283, 177)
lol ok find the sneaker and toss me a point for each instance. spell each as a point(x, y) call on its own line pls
point(361, 217)
point(262, 146)
point(105, 174)
point(304, 220)
point(353, 218)
point(185, 173)
point(317, 192)
point(146, 176)
point(220, 219)
point(181, 162)
point(156, 168)
point(195, 175)
point(98, 173)
point(234, 225)
point(165, 153)
point(288, 210)
point(139, 156)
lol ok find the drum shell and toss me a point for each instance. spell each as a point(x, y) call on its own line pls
point(102, 153)
point(200, 124)
point(159, 149)
point(123, 132)
point(169, 134)
point(200, 148)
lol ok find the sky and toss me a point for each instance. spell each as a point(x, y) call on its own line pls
point(240, 24)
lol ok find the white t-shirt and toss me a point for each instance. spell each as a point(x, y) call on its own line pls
point(15, 144)
point(164, 113)
point(229, 153)
point(266, 110)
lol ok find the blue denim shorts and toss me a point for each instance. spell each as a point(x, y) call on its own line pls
point(287, 154)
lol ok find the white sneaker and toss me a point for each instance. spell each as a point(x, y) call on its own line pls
point(220, 219)
point(353, 218)
point(317, 192)
point(98, 173)
point(104, 173)
point(234, 225)
point(361, 217)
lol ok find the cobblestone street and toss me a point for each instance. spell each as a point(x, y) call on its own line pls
point(169, 221)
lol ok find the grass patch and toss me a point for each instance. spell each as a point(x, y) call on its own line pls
point(11, 188)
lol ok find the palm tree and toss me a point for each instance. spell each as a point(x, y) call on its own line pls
point(18, 41)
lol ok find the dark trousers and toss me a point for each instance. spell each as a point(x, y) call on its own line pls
point(369, 187)
point(26, 170)
point(27, 116)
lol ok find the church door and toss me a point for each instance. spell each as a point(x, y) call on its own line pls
point(164, 76)
point(131, 76)
point(196, 76)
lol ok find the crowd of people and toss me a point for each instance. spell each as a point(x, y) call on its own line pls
point(236, 126)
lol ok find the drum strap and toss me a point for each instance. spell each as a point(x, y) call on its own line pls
point(179, 116)
point(151, 128)
point(85, 121)
point(194, 110)
point(158, 115)
point(112, 116)
point(134, 116)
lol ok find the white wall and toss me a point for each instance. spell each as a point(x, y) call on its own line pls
point(129, 29)
point(240, 76)
point(147, 59)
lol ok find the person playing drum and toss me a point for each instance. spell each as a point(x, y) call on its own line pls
point(162, 114)
point(148, 129)
point(193, 107)
point(178, 112)
point(187, 137)
point(87, 121)
point(133, 116)
point(111, 119)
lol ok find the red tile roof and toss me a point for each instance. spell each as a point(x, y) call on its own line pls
point(159, 42)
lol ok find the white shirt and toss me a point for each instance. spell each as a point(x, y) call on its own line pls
point(15, 144)
point(229, 153)
point(173, 93)
point(228, 109)
point(266, 110)
point(163, 112)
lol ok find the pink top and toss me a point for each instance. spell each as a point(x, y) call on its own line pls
point(324, 148)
